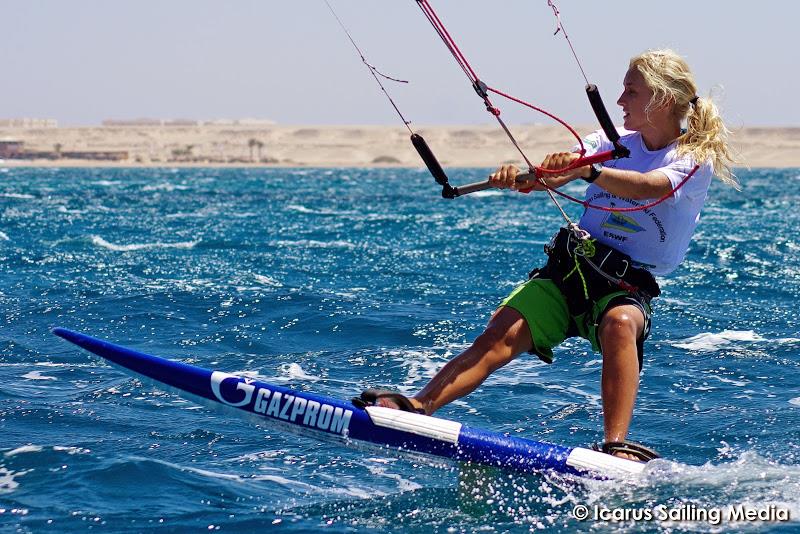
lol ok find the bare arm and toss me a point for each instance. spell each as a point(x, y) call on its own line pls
point(622, 183)
point(633, 184)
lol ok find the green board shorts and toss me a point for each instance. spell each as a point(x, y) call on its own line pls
point(545, 310)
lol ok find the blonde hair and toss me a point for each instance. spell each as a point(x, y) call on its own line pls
point(706, 137)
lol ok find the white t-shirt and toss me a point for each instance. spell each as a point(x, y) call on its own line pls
point(656, 238)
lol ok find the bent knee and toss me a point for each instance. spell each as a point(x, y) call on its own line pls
point(622, 322)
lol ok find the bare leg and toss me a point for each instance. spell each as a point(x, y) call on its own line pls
point(619, 329)
point(506, 336)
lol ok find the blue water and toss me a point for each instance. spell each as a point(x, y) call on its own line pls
point(337, 280)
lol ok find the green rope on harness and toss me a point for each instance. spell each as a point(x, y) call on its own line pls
point(586, 249)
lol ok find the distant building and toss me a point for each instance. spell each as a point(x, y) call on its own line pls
point(133, 122)
point(13, 149)
point(240, 122)
point(28, 123)
point(97, 155)
point(183, 122)
point(186, 122)
point(151, 122)
point(254, 122)
point(10, 148)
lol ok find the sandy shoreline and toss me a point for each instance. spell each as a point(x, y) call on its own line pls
point(338, 146)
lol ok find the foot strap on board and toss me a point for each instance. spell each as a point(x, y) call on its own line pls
point(370, 398)
point(642, 453)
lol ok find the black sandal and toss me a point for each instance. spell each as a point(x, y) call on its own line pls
point(642, 453)
point(370, 398)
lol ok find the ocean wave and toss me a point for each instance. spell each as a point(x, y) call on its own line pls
point(315, 244)
point(520, 371)
point(66, 365)
point(293, 371)
point(4, 237)
point(710, 342)
point(299, 208)
point(37, 375)
point(8, 482)
point(100, 242)
point(403, 483)
point(260, 456)
point(207, 473)
point(749, 474)
point(23, 450)
point(267, 280)
point(64, 209)
point(71, 450)
point(204, 212)
point(487, 193)
point(165, 187)
point(20, 196)
point(287, 374)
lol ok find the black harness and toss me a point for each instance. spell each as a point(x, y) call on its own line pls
point(586, 270)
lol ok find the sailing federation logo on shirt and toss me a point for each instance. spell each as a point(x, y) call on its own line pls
point(283, 406)
point(622, 223)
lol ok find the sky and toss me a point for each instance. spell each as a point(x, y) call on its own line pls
point(83, 61)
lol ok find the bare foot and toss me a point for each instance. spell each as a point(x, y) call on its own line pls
point(389, 403)
point(627, 456)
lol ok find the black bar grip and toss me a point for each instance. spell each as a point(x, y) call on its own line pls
point(601, 113)
point(448, 191)
point(433, 165)
point(482, 186)
point(471, 188)
point(430, 160)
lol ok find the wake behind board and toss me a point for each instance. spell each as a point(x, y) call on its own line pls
point(313, 414)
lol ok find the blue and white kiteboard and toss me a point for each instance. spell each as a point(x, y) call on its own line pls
point(312, 414)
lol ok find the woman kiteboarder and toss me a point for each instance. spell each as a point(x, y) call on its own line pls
point(599, 278)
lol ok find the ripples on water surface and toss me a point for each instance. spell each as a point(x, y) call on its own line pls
point(335, 280)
